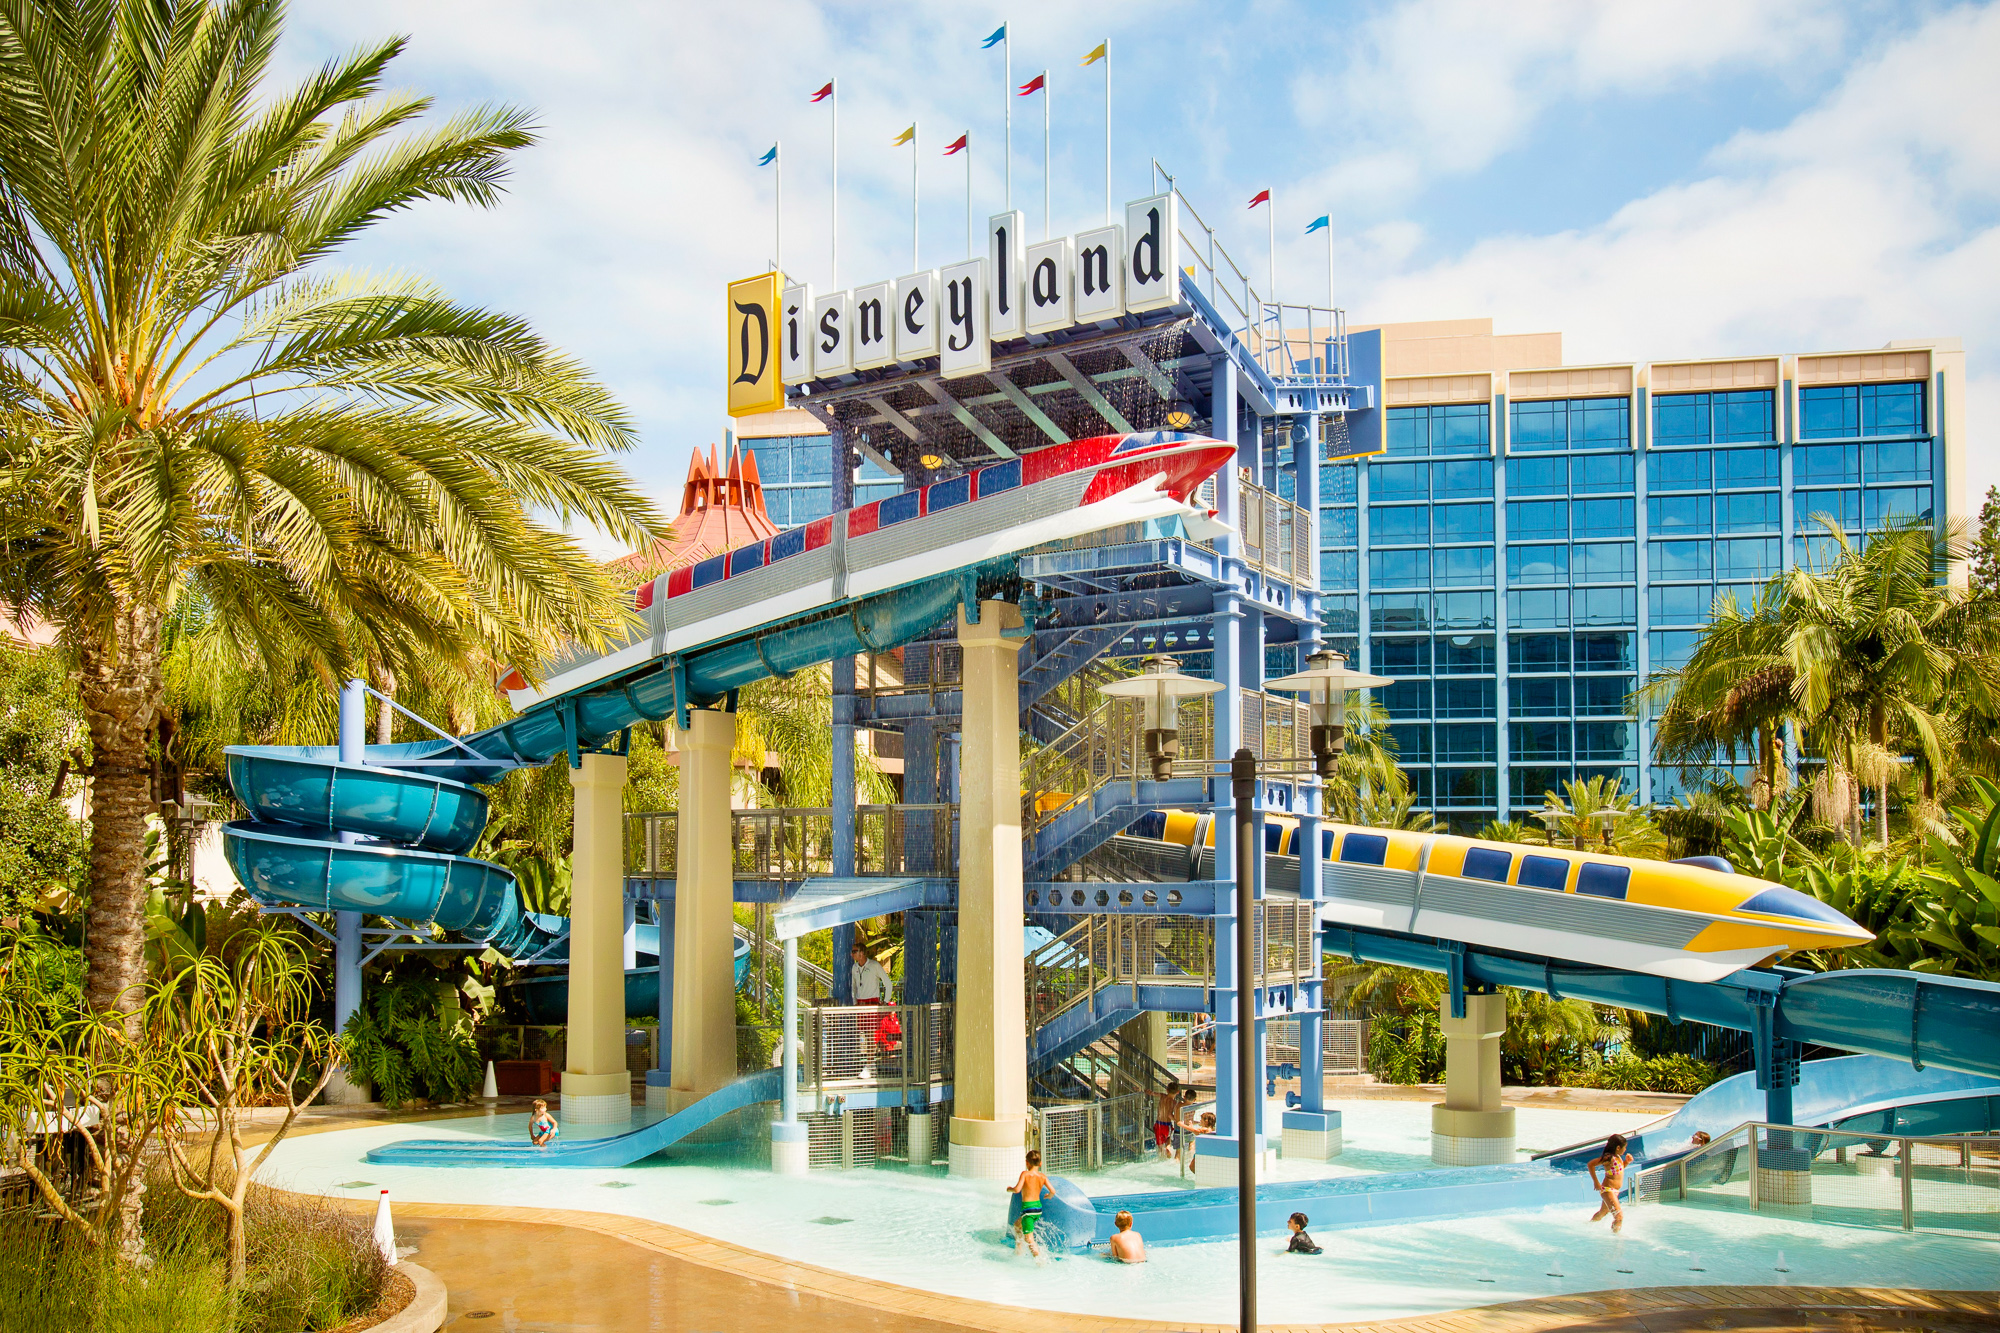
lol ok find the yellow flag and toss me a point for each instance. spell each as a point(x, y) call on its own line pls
point(1100, 53)
point(905, 136)
point(754, 385)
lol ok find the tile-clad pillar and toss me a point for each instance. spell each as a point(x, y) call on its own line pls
point(704, 1014)
point(596, 1089)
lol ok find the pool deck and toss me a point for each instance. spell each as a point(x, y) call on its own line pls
point(588, 1272)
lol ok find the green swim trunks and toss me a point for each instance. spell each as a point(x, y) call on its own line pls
point(1030, 1214)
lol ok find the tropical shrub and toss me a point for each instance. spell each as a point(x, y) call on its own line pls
point(1661, 1073)
point(1407, 1047)
point(410, 1039)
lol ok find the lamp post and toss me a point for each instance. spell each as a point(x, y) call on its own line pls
point(1160, 687)
point(1325, 682)
point(1551, 817)
point(1607, 819)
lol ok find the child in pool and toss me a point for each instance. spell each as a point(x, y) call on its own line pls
point(1190, 1132)
point(542, 1128)
point(1301, 1242)
point(1613, 1161)
point(1126, 1245)
point(1031, 1184)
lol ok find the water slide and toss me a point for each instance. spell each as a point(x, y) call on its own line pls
point(613, 1150)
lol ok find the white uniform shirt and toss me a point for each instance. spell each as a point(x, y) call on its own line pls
point(870, 981)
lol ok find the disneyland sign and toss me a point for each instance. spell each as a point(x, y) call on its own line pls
point(958, 312)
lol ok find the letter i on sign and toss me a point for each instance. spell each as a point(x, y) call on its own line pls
point(795, 335)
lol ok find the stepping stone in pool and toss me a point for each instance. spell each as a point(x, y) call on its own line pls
point(832, 1221)
point(718, 1203)
point(355, 1185)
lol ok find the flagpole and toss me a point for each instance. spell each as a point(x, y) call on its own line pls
point(916, 150)
point(1045, 155)
point(834, 232)
point(778, 205)
point(1007, 91)
point(1271, 219)
point(968, 198)
point(1107, 132)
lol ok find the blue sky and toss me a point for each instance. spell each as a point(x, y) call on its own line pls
point(1655, 180)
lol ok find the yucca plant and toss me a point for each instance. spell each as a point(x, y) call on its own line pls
point(194, 408)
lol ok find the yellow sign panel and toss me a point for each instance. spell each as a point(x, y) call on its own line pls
point(754, 384)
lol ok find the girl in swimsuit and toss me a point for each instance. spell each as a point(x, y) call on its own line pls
point(1613, 1162)
point(542, 1128)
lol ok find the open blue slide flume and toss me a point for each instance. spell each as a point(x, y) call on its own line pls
point(613, 1150)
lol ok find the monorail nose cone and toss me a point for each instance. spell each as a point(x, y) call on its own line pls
point(1780, 901)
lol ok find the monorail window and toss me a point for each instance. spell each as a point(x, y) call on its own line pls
point(1274, 838)
point(1602, 881)
point(1485, 863)
point(1364, 849)
point(1544, 872)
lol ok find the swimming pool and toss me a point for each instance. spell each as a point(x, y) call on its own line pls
point(922, 1229)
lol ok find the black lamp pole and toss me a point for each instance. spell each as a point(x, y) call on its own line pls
point(1249, 1078)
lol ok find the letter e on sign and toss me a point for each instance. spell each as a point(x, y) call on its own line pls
point(754, 324)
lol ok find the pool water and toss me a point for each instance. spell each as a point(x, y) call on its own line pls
point(922, 1229)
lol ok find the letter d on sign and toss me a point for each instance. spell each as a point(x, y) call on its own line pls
point(754, 321)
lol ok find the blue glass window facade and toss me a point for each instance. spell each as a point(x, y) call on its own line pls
point(797, 471)
point(1864, 459)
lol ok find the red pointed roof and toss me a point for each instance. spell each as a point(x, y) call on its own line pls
point(720, 511)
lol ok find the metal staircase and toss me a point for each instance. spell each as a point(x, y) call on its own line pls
point(1093, 781)
point(1086, 983)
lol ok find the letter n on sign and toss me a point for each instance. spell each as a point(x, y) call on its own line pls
point(755, 321)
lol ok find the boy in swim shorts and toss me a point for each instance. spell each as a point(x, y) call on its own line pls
point(1031, 1184)
point(1166, 1110)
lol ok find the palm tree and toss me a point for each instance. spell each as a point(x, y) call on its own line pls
point(344, 468)
point(1735, 693)
point(1633, 832)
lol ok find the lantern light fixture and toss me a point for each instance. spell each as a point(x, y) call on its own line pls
point(1160, 687)
point(1325, 682)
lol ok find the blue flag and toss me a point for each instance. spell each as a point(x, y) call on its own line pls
point(999, 36)
point(772, 156)
point(1317, 223)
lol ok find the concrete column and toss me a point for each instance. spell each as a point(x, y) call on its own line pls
point(1472, 1128)
point(790, 1146)
point(596, 1089)
point(990, 1085)
point(340, 1089)
point(660, 1077)
point(704, 938)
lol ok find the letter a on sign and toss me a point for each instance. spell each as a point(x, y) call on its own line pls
point(755, 321)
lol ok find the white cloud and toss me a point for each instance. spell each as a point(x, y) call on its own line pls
point(1866, 219)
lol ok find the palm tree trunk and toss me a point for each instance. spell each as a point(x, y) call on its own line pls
point(1878, 731)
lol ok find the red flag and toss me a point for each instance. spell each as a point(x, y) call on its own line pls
point(1034, 85)
point(1263, 197)
point(954, 145)
point(824, 93)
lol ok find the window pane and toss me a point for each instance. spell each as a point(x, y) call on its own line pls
point(1736, 468)
point(1744, 415)
point(1680, 418)
point(1605, 562)
point(1399, 569)
point(1413, 742)
point(1537, 476)
point(1400, 657)
point(1468, 478)
point(1340, 615)
point(1844, 507)
point(1538, 696)
point(808, 505)
point(1407, 698)
point(1747, 558)
point(1670, 514)
point(1338, 569)
point(1465, 655)
point(1829, 411)
point(1399, 612)
point(1464, 698)
point(1466, 745)
point(1465, 786)
point(1678, 560)
point(1747, 511)
point(774, 460)
point(1538, 608)
point(1464, 610)
point(1892, 409)
point(1687, 471)
point(1606, 422)
point(1601, 474)
point(1409, 430)
point(1337, 485)
point(1399, 481)
point(1393, 525)
point(1538, 742)
point(1530, 519)
point(1462, 428)
point(1894, 504)
point(1463, 566)
point(1337, 527)
point(1538, 564)
point(1904, 460)
point(1530, 783)
point(1538, 652)
point(1605, 742)
point(1826, 465)
point(1464, 523)
point(1679, 603)
point(1540, 426)
point(1604, 652)
point(1602, 518)
point(1672, 648)
point(1602, 694)
point(1606, 606)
